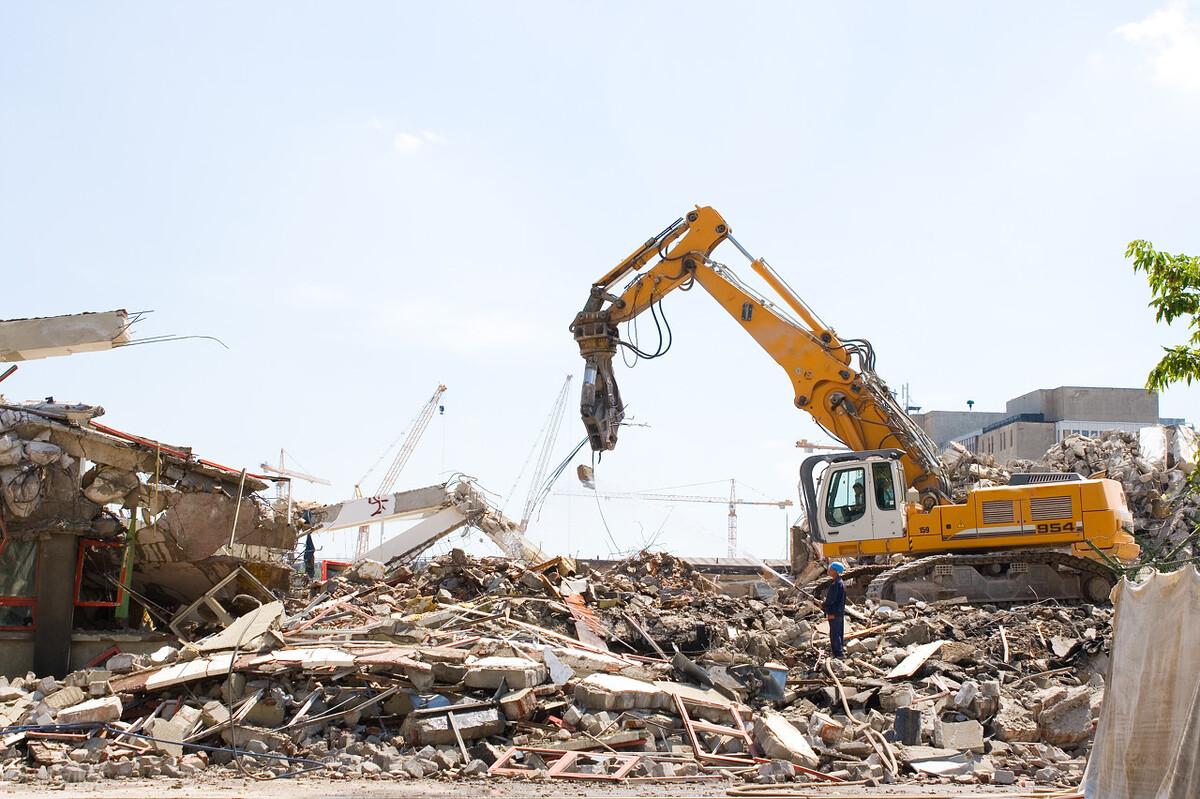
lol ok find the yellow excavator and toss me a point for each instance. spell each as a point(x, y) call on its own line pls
point(1041, 536)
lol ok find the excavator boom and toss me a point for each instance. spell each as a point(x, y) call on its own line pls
point(832, 379)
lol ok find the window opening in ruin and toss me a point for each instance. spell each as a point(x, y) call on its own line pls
point(99, 573)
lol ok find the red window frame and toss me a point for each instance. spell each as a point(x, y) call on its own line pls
point(339, 566)
point(20, 601)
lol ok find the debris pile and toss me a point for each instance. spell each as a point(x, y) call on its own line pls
point(1152, 465)
point(481, 666)
point(969, 470)
point(61, 470)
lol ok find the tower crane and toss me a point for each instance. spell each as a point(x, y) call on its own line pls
point(809, 446)
point(547, 436)
point(289, 475)
point(732, 501)
point(409, 440)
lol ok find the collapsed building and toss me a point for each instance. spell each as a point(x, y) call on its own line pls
point(111, 541)
point(105, 536)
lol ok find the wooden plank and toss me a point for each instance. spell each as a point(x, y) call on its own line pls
point(909, 666)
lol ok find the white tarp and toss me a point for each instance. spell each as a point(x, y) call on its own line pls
point(1147, 742)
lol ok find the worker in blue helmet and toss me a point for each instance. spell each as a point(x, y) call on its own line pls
point(835, 608)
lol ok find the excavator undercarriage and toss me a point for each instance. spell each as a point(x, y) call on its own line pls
point(993, 578)
point(996, 578)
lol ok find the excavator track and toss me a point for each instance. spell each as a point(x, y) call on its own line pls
point(996, 578)
point(857, 579)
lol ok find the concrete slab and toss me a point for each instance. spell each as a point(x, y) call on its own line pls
point(435, 728)
point(244, 628)
point(618, 692)
point(188, 671)
point(960, 735)
point(101, 710)
point(516, 673)
point(51, 336)
point(780, 740)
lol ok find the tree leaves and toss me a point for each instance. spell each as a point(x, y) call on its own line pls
point(1175, 294)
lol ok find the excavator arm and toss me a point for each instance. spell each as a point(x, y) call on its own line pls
point(846, 398)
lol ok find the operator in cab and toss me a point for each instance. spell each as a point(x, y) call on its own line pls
point(860, 502)
point(835, 609)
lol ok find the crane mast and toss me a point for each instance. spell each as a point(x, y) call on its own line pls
point(548, 436)
point(731, 537)
point(409, 445)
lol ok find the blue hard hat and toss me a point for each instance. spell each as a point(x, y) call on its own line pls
point(837, 567)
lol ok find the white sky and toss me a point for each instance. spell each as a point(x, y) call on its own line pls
point(363, 201)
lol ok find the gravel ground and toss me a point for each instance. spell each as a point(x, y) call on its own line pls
point(433, 789)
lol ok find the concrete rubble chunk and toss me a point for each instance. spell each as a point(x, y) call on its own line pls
point(121, 663)
point(102, 710)
point(1014, 723)
point(65, 697)
point(490, 672)
point(897, 696)
point(1068, 722)
point(214, 713)
point(164, 655)
point(775, 771)
point(826, 728)
point(435, 729)
point(780, 740)
point(519, 705)
point(168, 735)
point(960, 735)
point(617, 692)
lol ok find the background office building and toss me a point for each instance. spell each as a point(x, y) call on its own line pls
point(1031, 423)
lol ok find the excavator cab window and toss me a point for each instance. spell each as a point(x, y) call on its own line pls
point(847, 501)
point(885, 486)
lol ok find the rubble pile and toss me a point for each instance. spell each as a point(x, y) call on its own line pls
point(480, 666)
point(968, 470)
point(1152, 465)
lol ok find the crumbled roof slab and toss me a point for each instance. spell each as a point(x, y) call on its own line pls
point(51, 336)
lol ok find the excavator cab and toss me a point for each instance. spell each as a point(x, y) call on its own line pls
point(859, 497)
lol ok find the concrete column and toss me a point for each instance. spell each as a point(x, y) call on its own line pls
point(55, 612)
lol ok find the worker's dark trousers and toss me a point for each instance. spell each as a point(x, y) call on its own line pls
point(837, 629)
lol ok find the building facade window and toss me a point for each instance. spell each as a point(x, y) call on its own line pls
point(18, 584)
